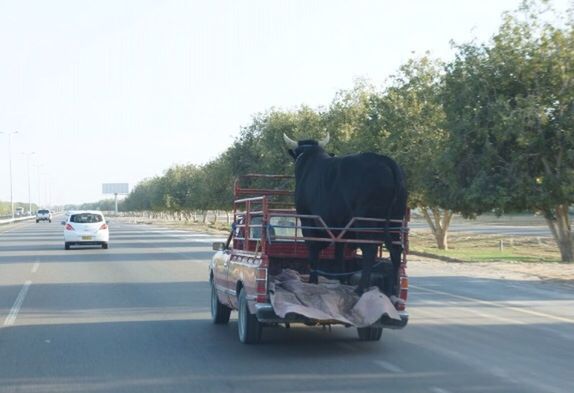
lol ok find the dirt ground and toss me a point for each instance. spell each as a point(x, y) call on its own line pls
point(544, 271)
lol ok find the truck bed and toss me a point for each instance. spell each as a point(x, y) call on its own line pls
point(328, 302)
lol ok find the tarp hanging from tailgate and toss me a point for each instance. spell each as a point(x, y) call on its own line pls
point(328, 300)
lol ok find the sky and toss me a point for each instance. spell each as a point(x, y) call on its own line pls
point(118, 91)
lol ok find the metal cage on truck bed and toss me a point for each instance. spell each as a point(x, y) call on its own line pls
point(265, 223)
point(254, 217)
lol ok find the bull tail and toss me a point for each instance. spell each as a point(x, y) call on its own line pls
point(397, 189)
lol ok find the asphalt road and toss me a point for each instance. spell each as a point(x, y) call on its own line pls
point(135, 318)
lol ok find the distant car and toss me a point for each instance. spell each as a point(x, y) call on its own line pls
point(86, 227)
point(43, 215)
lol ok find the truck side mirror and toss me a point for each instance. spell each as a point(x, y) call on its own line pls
point(218, 246)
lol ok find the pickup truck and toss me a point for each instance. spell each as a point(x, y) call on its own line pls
point(265, 244)
point(43, 215)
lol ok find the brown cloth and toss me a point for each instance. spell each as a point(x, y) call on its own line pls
point(328, 300)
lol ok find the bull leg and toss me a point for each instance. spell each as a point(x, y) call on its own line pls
point(369, 254)
point(314, 263)
point(395, 252)
point(339, 265)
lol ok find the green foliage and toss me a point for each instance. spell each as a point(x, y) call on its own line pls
point(6, 208)
point(510, 111)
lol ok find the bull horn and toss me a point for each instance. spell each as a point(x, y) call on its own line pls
point(324, 141)
point(291, 144)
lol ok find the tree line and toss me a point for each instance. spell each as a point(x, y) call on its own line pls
point(6, 207)
point(490, 131)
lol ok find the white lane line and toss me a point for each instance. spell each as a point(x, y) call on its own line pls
point(15, 228)
point(388, 366)
point(11, 318)
point(35, 267)
point(190, 236)
point(496, 304)
point(438, 390)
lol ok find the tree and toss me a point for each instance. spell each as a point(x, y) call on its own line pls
point(510, 113)
point(405, 121)
point(147, 195)
point(411, 120)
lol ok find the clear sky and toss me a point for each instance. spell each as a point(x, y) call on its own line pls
point(117, 91)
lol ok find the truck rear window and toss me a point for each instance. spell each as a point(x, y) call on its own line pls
point(43, 211)
point(86, 218)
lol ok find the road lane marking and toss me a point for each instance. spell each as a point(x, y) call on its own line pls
point(35, 267)
point(11, 318)
point(496, 304)
point(438, 390)
point(16, 227)
point(388, 366)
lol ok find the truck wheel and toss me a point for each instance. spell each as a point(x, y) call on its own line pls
point(370, 333)
point(37, 221)
point(248, 326)
point(67, 246)
point(104, 245)
point(219, 312)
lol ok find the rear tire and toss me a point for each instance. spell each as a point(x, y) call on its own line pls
point(67, 246)
point(37, 221)
point(248, 327)
point(219, 312)
point(370, 333)
point(105, 246)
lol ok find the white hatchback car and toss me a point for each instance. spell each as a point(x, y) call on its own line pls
point(86, 227)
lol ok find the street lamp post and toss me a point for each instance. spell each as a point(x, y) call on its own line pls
point(39, 200)
point(28, 155)
point(10, 164)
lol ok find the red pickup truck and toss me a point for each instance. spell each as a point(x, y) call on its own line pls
point(266, 241)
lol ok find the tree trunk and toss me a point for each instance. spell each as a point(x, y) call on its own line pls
point(215, 217)
point(439, 226)
point(559, 223)
point(228, 217)
point(204, 219)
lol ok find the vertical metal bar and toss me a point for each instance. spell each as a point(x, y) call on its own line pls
point(247, 230)
point(264, 223)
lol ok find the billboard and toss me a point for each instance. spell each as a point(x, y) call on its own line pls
point(115, 188)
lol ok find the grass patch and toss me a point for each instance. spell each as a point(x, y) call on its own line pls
point(487, 248)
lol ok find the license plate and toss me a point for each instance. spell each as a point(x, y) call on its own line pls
point(86, 238)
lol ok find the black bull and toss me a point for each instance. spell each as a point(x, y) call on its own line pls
point(339, 188)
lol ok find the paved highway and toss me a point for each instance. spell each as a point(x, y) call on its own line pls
point(135, 318)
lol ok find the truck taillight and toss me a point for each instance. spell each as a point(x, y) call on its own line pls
point(104, 227)
point(261, 286)
point(403, 294)
point(69, 227)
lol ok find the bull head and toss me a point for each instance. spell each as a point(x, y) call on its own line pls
point(291, 144)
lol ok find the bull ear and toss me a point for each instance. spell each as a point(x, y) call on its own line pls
point(324, 141)
point(291, 144)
